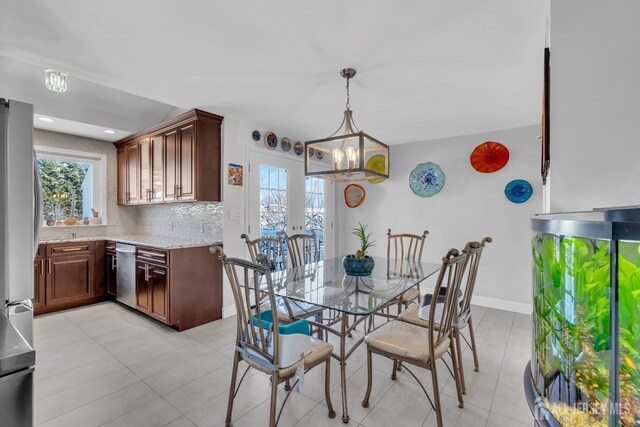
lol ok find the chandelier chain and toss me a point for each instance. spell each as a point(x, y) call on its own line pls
point(348, 104)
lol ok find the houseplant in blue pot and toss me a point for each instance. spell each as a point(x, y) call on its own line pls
point(360, 264)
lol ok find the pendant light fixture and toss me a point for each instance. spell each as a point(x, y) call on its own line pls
point(55, 80)
point(349, 152)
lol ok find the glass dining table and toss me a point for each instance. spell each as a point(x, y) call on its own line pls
point(344, 301)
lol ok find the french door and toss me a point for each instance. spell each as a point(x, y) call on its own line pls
point(281, 198)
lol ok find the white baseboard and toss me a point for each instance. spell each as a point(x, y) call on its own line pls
point(502, 304)
point(228, 311)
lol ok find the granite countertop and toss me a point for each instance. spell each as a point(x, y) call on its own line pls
point(160, 242)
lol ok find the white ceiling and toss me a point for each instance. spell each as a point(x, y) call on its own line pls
point(426, 69)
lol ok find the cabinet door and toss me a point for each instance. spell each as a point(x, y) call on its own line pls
point(133, 173)
point(187, 170)
point(39, 281)
point(111, 274)
point(157, 168)
point(171, 156)
point(70, 278)
point(143, 288)
point(122, 176)
point(159, 292)
point(145, 170)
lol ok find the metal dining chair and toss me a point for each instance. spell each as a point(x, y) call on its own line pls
point(258, 338)
point(303, 248)
point(401, 247)
point(415, 345)
point(272, 247)
point(411, 315)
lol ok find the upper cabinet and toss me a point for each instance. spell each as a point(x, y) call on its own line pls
point(179, 160)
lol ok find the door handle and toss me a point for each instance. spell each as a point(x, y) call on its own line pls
point(49, 266)
point(113, 262)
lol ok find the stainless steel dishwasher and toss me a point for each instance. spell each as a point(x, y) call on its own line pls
point(126, 274)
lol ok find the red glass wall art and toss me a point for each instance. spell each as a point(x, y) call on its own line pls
point(489, 157)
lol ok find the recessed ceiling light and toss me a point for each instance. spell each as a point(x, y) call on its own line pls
point(109, 131)
point(45, 119)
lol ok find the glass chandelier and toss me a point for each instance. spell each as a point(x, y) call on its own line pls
point(55, 80)
point(348, 154)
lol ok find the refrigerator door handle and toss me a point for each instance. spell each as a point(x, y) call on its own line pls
point(37, 214)
point(19, 306)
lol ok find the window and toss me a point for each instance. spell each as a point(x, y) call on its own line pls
point(314, 212)
point(72, 184)
point(273, 200)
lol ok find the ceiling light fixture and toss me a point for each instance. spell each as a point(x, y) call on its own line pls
point(55, 80)
point(350, 144)
point(45, 119)
point(109, 131)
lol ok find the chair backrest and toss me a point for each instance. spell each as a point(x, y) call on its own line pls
point(303, 249)
point(249, 283)
point(474, 250)
point(444, 314)
point(406, 247)
point(272, 247)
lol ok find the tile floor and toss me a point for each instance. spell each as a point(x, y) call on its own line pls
point(105, 365)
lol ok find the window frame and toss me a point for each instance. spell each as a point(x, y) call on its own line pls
point(99, 163)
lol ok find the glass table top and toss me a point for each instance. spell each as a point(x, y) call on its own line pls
point(325, 284)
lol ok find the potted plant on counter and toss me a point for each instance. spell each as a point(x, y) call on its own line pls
point(360, 264)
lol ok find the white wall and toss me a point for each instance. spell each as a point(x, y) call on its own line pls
point(595, 103)
point(470, 206)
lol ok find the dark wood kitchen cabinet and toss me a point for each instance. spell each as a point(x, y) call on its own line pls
point(179, 160)
point(110, 268)
point(68, 276)
point(179, 287)
point(128, 174)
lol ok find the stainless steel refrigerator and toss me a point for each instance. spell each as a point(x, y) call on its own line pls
point(20, 221)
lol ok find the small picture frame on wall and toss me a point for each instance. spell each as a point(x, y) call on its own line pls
point(235, 175)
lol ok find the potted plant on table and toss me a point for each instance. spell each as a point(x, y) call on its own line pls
point(360, 264)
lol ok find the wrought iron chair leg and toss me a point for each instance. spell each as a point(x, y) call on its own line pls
point(457, 369)
point(287, 385)
point(458, 349)
point(394, 369)
point(274, 400)
point(473, 346)
point(327, 388)
point(232, 388)
point(436, 393)
point(367, 394)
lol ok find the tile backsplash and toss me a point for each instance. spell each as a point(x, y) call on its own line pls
point(192, 221)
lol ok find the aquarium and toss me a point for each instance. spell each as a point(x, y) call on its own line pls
point(585, 363)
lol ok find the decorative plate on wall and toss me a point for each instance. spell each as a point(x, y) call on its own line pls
point(518, 191)
point(426, 180)
point(255, 135)
point(270, 140)
point(489, 157)
point(319, 154)
point(298, 148)
point(376, 163)
point(286, 144)
point(354, 195)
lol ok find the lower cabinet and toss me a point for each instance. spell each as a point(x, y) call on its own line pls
point(65, 276)
point(70, 278)
point(152, 290)
point(111, 274)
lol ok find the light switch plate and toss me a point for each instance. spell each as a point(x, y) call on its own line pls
point(234, 214)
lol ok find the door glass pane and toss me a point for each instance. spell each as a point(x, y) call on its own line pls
point(314, 209)
point(273, 200)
